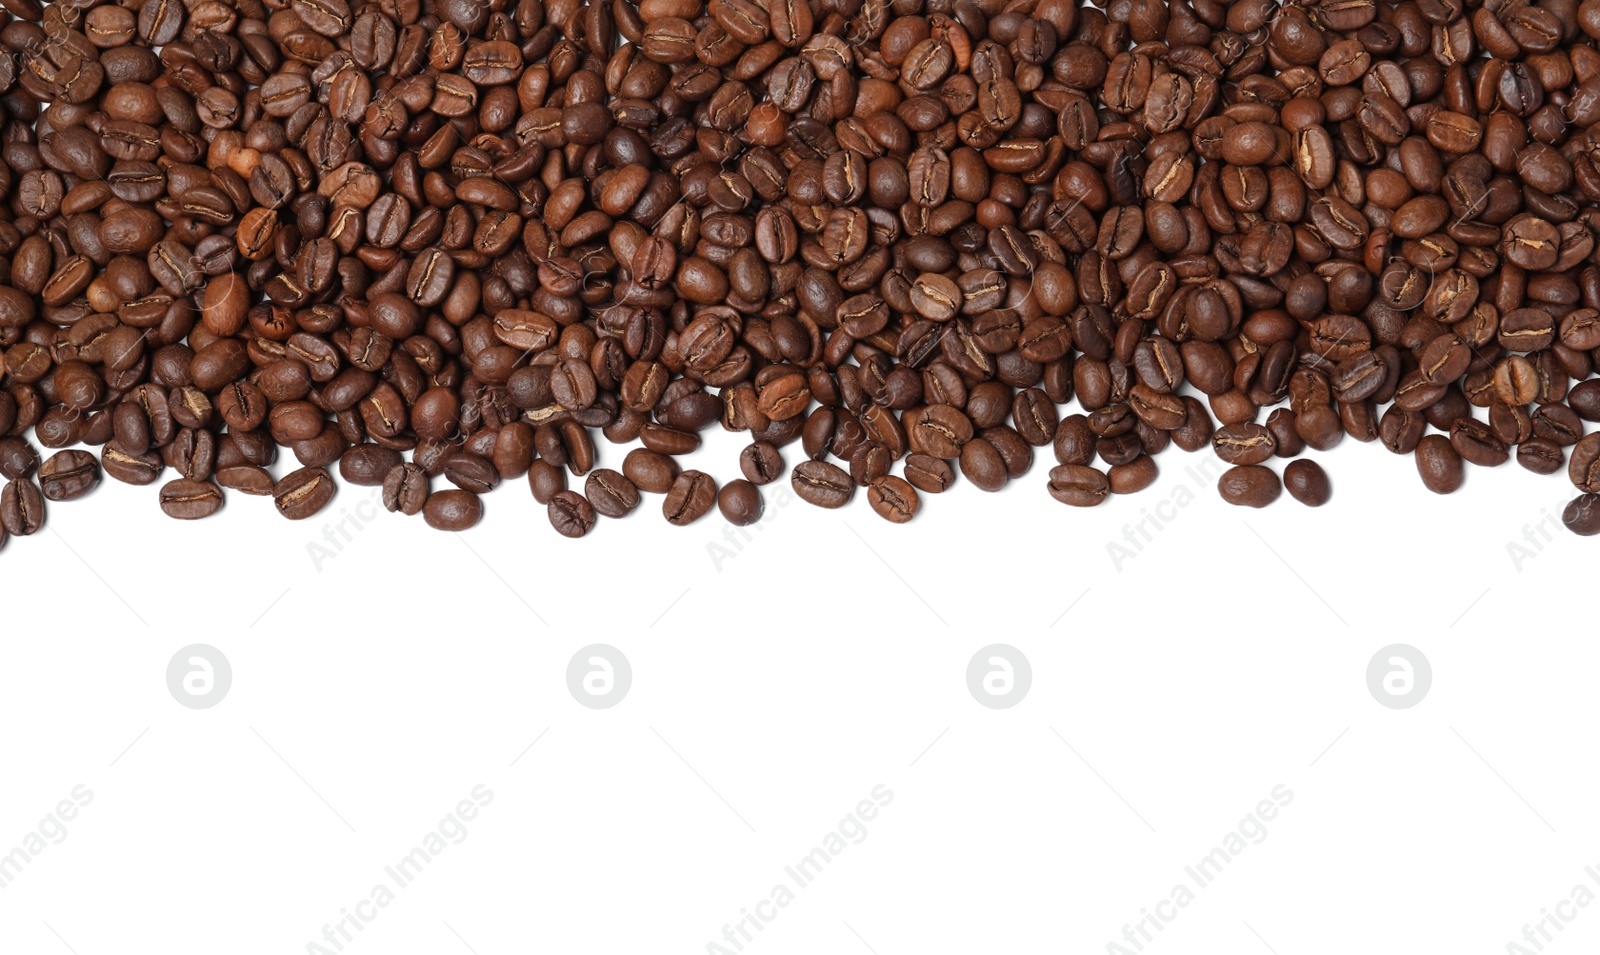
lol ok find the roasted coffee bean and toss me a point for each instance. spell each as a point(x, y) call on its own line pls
point(610, 493)
point(1582, 515)
point(761, 463)
point(368, 465)
point(447, 239)
point(822, 484)
point(1307, 483)
point(1249, 485)
point(893, 499)
point(929, 474)
point(740, 503)
point(68, 475)
point(187, 500)
point(21, 508)
point(1243, 444)
point(570, 514)
point(692, 495)
point(1440, 466)
point(649, 471)
point(405, 489)
point(1078, 485)
point(452, 509)
point(303, 493)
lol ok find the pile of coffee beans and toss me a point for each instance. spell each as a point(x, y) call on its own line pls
point(435, 245)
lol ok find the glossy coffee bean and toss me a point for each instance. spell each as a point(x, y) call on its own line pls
point(740, 503)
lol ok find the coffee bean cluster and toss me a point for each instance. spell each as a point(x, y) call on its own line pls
point(434, 245)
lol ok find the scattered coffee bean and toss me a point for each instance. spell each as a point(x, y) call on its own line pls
point(893, 499)
point(1249, 485)
point(452, 509)
point(303, 493)
point(570, 514)
point(1582, 515)
point(1307, 482)
point(692, 495)
point(740, 502)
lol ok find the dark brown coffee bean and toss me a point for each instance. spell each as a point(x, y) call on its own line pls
point(822, 484)
point(452, 509)
point(761, 463)
point(893, 499)
point(610, 493)
point(570, 514)
point(21, 508)
point(929, 474)
point(1307, 483)
point(1439, 465)
point(303, 493)
point(740, 503)
point(405, 489)
point(1078, 485)
point(187, 500)
point(1582, 515)
point(1249, 485)
point(68, 475)
point(692, 495)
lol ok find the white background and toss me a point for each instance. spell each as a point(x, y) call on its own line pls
point(774, 687)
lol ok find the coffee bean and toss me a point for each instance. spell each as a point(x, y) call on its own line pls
point(650, 471)
point(1307, 483)
point(761, 463)
point(68, 475)
point(740, 503)
point(18, 459)
point(368, 465)
point(1249, 485)
point(21, 508)
point(893, 499)
point(303, 493)
point(1243, 444)
point(1440, 465)
point(405, 489)
point(901, 237)
point(570, 514)
point(452, 509)
point(244, 478)
point(691, 496)
point(187, 500)
point(823, 484)
point(928, 474)
point(546, 480)
point(610, 493)
point(1078, 485)
point(1582, 515)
